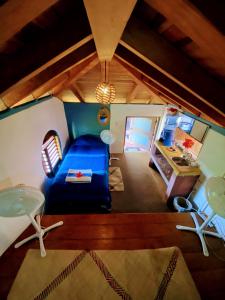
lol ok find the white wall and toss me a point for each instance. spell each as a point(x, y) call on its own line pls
point(21, 137)
point(212, 163)
point(119, 113)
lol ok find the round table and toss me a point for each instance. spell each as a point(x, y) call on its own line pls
point(24, 200)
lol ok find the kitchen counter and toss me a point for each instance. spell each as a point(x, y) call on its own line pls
point(179, 179)
point(178, 170)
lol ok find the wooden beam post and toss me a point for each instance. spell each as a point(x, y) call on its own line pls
point(132, 93)
point(108, 19)
point(105, 71)
point(80, 92)
point(75, 91)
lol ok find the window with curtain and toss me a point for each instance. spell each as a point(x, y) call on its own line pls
point(51, 153)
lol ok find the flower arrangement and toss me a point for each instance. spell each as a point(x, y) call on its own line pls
point(79, 174)
point(188, 143)
point(172, 111)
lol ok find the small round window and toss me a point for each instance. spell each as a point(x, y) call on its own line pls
point(51, 153)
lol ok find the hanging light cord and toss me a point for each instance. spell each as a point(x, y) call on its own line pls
point(105, 70)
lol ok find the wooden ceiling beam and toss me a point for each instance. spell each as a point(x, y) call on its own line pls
point(154, 87)
point(2, 105)
point(194, 24)
point(132, 93)
point(67, 95)
point(77, 87)
point(172, 99)
point(125, 58)
point(78, 72)
point(74, 63)
point(81, 70)
point(15, 14)
point(173, 64)
point(104, 71)
point(58, 88)
point(164, 26)
point(138, 77)
point(76, 93)
point(53, 45)
point(108, 19)
point(49, 85)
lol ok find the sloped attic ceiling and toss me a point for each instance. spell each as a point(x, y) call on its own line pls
point(159, 51)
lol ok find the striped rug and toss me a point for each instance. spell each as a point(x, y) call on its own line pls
point(104, 274)
point(115, 180)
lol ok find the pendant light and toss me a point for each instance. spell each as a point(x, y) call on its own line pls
point(105, 91)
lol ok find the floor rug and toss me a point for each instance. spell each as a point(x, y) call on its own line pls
point(104, 274)
point(115, 180)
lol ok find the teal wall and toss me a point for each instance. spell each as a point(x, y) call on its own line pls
point(82, 119)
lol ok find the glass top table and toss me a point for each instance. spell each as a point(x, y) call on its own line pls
point(20, 201)
point(24, 200)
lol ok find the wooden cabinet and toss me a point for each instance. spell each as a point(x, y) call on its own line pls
point(179, 179)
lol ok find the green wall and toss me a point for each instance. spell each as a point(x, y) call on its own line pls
point(82, 119)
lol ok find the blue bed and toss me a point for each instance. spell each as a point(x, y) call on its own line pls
point(86, 152)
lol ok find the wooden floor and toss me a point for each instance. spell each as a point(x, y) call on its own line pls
point(123, 231)
point(144, 188)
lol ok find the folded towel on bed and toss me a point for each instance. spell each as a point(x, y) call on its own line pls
point(81, 176)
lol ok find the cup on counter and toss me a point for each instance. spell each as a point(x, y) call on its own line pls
point(193, 164)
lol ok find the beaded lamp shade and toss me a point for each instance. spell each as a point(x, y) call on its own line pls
point(105, 93)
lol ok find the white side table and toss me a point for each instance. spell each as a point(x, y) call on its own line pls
point(215, 193)
point(24, 200)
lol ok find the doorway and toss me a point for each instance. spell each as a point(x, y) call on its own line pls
point(138, 134)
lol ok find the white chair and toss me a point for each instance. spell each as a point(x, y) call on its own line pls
point(215, 193)
point(24, 200)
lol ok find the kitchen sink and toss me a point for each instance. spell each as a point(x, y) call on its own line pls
point(180, 161)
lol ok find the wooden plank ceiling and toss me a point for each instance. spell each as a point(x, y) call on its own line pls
point(157, 51)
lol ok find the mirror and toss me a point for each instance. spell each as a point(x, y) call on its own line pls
point(199, 130)
point(195, 128)
point(103, 116)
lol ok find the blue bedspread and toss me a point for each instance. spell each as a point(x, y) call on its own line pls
point(87, 152)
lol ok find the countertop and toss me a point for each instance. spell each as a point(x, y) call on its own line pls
point(179, 170)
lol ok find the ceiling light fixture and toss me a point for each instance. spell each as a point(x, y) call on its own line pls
point(105, 91)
